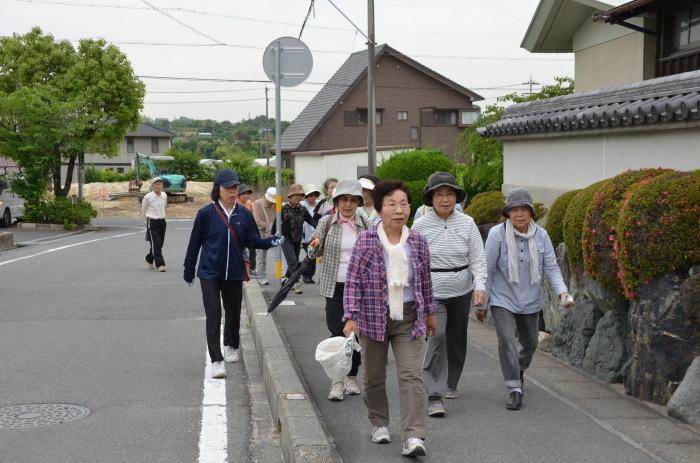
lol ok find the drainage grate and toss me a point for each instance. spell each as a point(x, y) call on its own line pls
point(33, 415)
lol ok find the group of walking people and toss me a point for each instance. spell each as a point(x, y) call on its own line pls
point(389, 285)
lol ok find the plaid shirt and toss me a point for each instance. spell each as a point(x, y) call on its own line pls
point(330, 236)
point(366, 295)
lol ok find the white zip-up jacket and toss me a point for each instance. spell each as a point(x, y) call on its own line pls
point(453, 243)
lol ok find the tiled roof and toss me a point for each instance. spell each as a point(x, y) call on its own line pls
point(147, 130)
point(339, 85)
point(8, 165)
point(654, 101)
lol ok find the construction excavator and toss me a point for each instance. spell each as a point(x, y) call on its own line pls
point(174, 185)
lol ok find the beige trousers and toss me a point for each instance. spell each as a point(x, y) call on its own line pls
point(408, 353)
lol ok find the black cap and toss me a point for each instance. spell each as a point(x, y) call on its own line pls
point(245, 189)
point(227, 178)
point(437, 180)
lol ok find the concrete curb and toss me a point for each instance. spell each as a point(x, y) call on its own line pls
point(54, 226)
point(302, 436)
point(7, 241)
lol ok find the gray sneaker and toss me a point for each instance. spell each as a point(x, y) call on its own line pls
point(413, 447)
point(380, 435)
point(351, 387)
point(451, 394)
point(337, 391)
point(436, 408)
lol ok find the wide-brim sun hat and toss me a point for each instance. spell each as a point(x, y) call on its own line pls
point(295, 189)
point(271, 194)
point(348, 187)
point(310, 189)
point(365, 183)
point(440, 179)
point(516, 198)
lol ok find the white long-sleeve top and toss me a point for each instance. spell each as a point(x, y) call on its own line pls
point(153, 205)
point(453, 243)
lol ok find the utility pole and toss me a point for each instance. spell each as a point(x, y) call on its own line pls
point(267, 130)
point(371, 104)
point(531, 83)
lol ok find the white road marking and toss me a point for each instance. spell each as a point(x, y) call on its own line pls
point(53, 238)
point(213, 437)
point(48, 251)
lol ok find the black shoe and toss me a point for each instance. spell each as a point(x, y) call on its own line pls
point(522, 378)
point(516, 401)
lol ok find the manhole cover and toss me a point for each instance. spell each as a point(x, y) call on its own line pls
point(33, 415)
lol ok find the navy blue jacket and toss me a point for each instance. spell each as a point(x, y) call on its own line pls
point(221, 259)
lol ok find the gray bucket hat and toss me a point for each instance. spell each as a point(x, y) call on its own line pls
point(518, 197)
point(348, 187)
point(437, 180)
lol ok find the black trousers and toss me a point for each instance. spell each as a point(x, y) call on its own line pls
point(251, 257)
point(155, 233)
point(291, 251)
point(312, 268)
point(334, 321)
point(213, 292)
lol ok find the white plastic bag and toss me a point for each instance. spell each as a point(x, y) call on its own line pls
point(335, 356)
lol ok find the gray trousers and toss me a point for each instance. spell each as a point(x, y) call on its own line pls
point(261, 263)
point(517, 342)
point(447, 350)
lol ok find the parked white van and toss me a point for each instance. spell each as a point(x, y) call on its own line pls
point(11, 205)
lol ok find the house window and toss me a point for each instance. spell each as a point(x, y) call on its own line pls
point(678, 38)
point(439, 117)
point(359, 117)
point(686, 28)
point(154, 145)
point(414, 133)
point(468, 117)
point(402, 115)
point(129, 144)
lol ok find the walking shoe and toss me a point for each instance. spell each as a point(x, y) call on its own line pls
point(413, 447)
point(380, 435)
point(161, 268)
point(298, 290)
point(516, 401)
point(451, 394)
point(351, 387)
point(263, 282)
point(218, 370)
point(150, 265)
point(436, 408)
point(231, 355)
point(337, 391)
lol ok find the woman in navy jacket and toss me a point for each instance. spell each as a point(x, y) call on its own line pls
point(222, 230)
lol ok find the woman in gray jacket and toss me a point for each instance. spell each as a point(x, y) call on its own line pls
point(519, 254)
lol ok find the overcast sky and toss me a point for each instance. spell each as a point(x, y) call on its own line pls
point(473, 42)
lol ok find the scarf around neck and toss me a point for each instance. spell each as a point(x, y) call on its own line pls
point(396, 270)
point(511, 232)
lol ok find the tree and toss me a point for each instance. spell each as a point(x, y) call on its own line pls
point(57, 103)
point(484, 169)
point(186, 163)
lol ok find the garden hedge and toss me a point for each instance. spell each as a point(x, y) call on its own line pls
point(574, 221)
point(414, 165)
point(658, 229)
point(599, 235)
point(486, 207)
point(555, 219)
point(60, 211)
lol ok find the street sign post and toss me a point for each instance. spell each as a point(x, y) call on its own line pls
point(287, 62)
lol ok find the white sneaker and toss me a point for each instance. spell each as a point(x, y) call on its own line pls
point(413, 447)
point(161, 268)
point(380, 435)
point(231, 355)
point(436, 408)
point(263, 282)
point(218, 370)
point(337, 391)
point(351, 387)
point(150, 265)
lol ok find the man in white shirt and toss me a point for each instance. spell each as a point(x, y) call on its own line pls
point(153, 208)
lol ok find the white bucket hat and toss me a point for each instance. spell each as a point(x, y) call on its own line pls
point(311, 188)
point(348, 187)
point(366, 184)
point(271, 194)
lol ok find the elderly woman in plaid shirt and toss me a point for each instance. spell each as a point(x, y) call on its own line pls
point(334, 239)
point(389, 300)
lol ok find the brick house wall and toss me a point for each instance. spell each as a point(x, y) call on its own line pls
point(399, 87)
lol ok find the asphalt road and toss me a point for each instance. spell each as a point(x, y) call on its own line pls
point(477, 426)
point(84, 322)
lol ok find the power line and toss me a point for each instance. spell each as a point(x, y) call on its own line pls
point(308, 13)
point(219, 101)
point(168, 15)
point(258, 20)
point(229, 90)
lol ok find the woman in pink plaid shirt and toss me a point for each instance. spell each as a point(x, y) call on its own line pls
point(388, 299)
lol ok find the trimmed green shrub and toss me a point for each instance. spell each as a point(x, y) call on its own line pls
point(487, 207)
point(658, 229)
point(92, 174)
point(414, 165)
point(599, 236)
point(60, 211)
point(555, 219)
point(416, 187)
point(574, 220)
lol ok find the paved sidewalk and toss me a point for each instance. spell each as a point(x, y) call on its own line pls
point(567, 415)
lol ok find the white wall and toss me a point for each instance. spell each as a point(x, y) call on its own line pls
point(316, 169)
point(550, 166)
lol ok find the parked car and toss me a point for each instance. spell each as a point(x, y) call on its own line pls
point(11, 205)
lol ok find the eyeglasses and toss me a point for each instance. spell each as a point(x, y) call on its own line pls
point(396, 206)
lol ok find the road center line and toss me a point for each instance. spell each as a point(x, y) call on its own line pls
point(48, 251)
point(213, 437)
